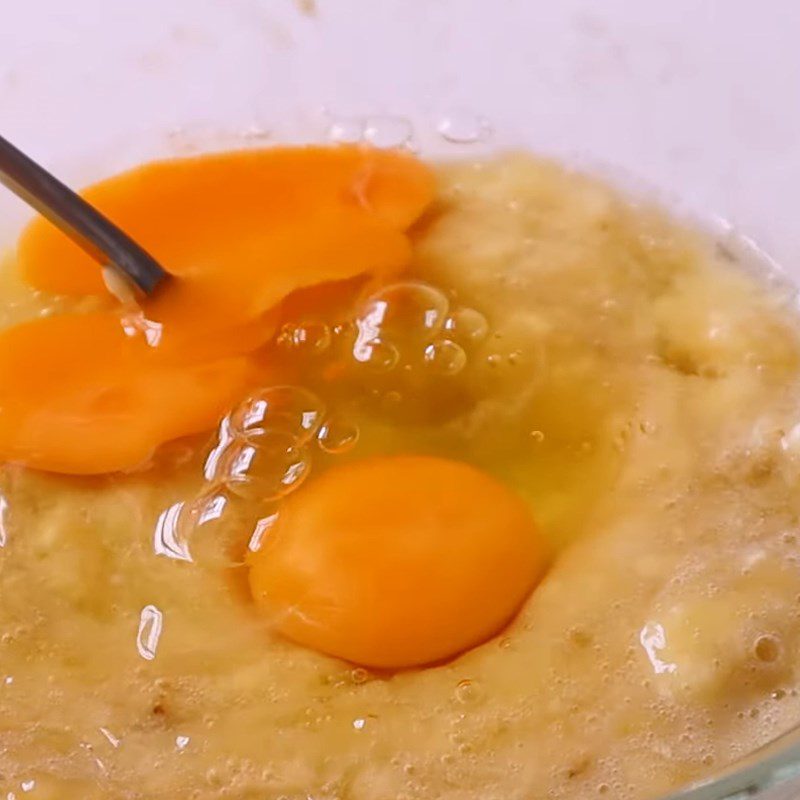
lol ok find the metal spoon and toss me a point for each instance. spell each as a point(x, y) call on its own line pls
point(83, 223)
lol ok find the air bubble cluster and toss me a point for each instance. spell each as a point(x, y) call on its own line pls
point(458, 126)
point(466, 326)
point(411, 323)
point(262, 450)
point(468, 692)
point(295, 411)
point(266, 466)
point(401, 345)
point(401, 351)
point(262, 453)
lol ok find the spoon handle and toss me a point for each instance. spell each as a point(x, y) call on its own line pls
point(83, 223)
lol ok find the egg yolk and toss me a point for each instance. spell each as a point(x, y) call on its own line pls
point(242, 230)
point(79, 396)
point(398, 561)
point(241, 234)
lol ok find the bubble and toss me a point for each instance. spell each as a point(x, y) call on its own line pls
point(359, 675)
point(261, 530)
point(767, 648)
point(337, 436)
point(376, 354)
point(151, 623)
point(409, 311)
point(197, 530)
point(466, 326)
point(292, 409)
point(224, 438)
point(445, 357)
point(346, 131)
point(464, 127)
point(4, 521)
point(391, 400)
point(265, 465)
point(308, 338)
point(387, 132)
point(468, 692)
point(537, 436)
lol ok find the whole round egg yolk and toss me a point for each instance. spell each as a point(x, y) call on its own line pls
point(399, 561)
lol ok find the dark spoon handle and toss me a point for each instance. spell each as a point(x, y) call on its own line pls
point(83, 223)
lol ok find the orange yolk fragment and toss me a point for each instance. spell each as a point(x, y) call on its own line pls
point(240, 232)
point(400, 561)
point(80, 396)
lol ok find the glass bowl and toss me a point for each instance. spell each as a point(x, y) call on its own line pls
point(694, 100)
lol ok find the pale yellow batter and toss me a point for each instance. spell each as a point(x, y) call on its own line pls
point(636, 386)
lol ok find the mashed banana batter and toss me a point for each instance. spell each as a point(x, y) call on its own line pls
point(635, 386)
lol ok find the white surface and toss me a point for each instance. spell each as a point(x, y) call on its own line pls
point(696, 97)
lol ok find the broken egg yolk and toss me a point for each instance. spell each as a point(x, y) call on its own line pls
point(240, 233)
point(79, 396)
point(396, 562)
point(243, 230)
